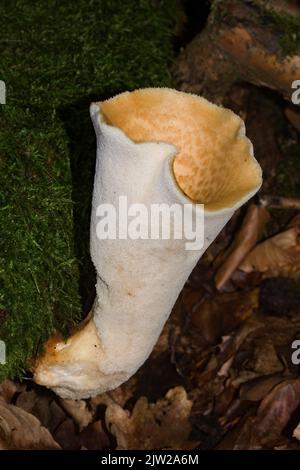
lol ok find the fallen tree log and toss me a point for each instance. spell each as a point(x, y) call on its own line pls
point(254, 41)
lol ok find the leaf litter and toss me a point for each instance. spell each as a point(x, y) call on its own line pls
point(221, 375)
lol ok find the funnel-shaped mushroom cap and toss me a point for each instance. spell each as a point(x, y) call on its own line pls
point(214, 164)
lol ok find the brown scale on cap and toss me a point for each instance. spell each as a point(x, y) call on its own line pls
point(214, 164)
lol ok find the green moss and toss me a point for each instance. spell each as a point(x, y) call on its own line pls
point(285, 24)
point(289, 29)
point(56, 57)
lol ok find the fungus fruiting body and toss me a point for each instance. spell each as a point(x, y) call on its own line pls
point(154, 146)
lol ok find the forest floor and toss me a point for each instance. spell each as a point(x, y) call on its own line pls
point(224, 374)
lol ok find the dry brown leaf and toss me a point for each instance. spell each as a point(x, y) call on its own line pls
point(163, 425)
point(257, 389)
point(296, 432)
point(264, 431)
point(265, 359)
point(27, 400)
point(227, 350)
point(43, 407)
point(223, 313)
point(277, 407)
point(93, 437)
point(276, 256)
point(79, 411)
point(21, 430)
point(8, 390)
point(66, 435)
point(248, 235)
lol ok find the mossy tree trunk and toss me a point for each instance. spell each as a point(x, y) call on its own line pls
point(256, 41)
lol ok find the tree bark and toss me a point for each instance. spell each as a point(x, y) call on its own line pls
point(255, 41)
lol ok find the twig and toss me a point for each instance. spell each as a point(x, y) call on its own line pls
point(246, 238)
point(277, 202)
